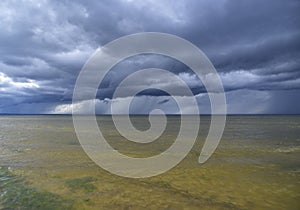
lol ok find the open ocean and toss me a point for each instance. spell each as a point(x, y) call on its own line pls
point(256, 166)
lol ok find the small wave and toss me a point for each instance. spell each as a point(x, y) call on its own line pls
point(288, 149)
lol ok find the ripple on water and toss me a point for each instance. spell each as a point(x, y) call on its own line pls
point(15, 194)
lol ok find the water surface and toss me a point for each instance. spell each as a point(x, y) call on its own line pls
point(256, 166)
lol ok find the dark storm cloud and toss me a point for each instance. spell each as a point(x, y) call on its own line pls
point(254, 45)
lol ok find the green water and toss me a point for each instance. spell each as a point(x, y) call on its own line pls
point(256, 166)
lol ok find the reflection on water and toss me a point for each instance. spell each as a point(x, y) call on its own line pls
point(256, 166)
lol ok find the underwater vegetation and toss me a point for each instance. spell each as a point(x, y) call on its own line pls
point(15, 194)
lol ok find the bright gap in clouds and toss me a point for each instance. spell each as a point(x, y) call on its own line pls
point(7, 83)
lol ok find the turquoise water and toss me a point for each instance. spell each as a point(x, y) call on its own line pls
point(256, 166)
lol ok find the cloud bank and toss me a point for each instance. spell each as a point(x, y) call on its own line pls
point(254, 45)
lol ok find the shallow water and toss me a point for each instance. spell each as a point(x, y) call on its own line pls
point(256, 166)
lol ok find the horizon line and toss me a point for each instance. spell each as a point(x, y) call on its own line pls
point(3, 114)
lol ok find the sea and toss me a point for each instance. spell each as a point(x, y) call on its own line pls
point(255, 166)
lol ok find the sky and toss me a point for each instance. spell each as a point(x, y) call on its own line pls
point(253, 44)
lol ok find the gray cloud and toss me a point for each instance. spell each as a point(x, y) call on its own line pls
point(255, 46)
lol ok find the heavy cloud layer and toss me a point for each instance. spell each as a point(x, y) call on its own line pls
point(254, 45)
